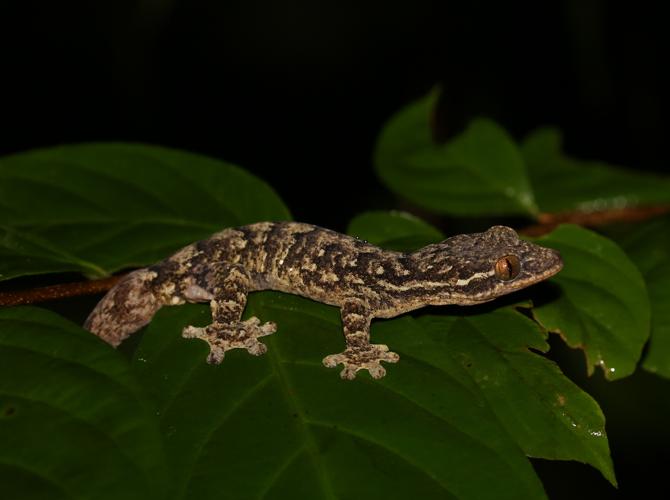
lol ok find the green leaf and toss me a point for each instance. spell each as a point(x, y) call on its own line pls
point(394, 230)
point(73, 420)
point(648, 245)
point(479, 172)
point(546, 414)
point(657, 359)
point(601, 305)
point(542, 410)
point(283, 425)
point(565, 184)
point(99, 208)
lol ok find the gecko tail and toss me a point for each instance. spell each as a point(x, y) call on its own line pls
point(126, 308)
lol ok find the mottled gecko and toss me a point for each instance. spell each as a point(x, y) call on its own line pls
point(364, 281)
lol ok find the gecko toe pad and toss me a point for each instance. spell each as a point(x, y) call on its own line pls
point(366, 358)
point(239, 335)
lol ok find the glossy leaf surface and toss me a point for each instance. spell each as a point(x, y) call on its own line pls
point(98, 208)
point(648, 245)
point(74, 422)
point(601, 303)
point(478, 172)
point(283, 423)
point(562, 183)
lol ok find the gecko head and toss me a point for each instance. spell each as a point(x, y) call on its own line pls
point(482, 266)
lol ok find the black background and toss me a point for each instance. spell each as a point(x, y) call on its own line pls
point(297, 92)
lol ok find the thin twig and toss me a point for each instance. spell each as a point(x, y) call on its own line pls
point(43, 294)
point(548, 221)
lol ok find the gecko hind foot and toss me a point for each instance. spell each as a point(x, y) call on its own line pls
point(223, 337)
point(366, 358)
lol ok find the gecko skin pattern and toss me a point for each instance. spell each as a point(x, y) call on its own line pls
point(364, 281)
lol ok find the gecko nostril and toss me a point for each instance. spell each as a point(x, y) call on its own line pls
point(558, 260)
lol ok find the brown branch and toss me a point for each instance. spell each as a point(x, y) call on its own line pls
point(54, 292)
point(548, 221)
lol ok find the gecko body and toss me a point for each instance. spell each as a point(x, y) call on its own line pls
point(363, 280)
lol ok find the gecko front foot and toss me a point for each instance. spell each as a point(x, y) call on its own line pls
point(368, 357)
point(223, 337)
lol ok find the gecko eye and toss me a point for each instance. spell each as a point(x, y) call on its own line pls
point(507, 268)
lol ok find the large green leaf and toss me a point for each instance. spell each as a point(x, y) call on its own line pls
point(98, 208)
point(479, 172)
point(545, 412)
point(541, 409)
point(648, 245)
point(561, 183)
point(73, 420)
point(601, 305)
point(284, 425)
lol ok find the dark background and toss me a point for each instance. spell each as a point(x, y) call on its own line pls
point(297, 92)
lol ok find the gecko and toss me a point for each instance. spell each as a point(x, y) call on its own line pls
point(361, 279)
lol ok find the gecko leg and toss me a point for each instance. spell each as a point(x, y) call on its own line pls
point(227, 330)
point(359, 353)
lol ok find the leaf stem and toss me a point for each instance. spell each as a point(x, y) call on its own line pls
point(61, 291)
point(548, 221)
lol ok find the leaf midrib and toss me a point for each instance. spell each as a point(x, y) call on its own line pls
point(311, 446)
